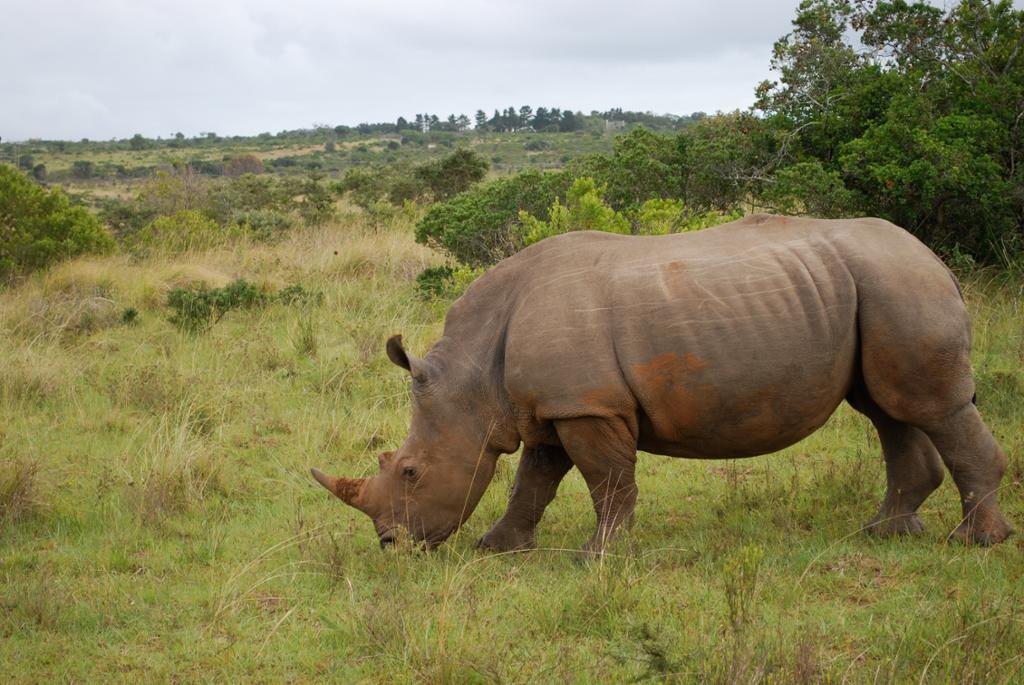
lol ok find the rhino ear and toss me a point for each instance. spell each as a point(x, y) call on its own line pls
point(396, 353)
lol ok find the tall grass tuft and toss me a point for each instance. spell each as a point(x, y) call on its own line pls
point(20, 496)
point(178, 467)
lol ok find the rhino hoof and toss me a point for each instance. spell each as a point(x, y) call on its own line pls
point(973, 534)
point(508, 540)
point(893, 525)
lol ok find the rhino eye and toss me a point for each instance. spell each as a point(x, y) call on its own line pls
point(409, 472)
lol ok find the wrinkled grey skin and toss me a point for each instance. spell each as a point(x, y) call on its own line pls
point(729, 342)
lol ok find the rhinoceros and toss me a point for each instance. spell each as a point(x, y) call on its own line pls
point(733, 341)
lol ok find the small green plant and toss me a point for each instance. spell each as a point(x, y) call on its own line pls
point(199, 306)
point(130, 316)
point(434, 281)
point(741, 572)
point(449, 282)
point(298, 294)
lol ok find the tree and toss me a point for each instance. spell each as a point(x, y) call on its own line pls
point(525, 116)
point(541, 119)
point(570, 122)
point(904, 111)
point(480, 120)
point(453, 174)
point(138, 142)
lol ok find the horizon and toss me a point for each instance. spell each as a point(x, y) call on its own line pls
point(313, 128)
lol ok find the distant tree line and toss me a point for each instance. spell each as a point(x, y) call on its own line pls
point(511, 119)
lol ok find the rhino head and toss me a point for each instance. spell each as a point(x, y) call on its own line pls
point(432, 483)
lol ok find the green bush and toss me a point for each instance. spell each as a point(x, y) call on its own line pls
point(39, 227)
point(198, 307)
point(452, 174)
point(247, 193)
point(662, 217)
point(182, 231)
point(264, 225)
point(448, 282)
point(314, 200)
point(481, 226)
point(434, 281)
point(584, 210)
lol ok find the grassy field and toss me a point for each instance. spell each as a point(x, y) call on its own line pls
point(159, 523)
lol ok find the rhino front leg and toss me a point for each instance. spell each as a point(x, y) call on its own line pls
point(541, 469)
point(604, 450)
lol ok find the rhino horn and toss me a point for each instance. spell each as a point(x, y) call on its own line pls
point(346, 489)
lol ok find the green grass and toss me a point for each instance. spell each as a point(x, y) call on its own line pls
point(159, 524)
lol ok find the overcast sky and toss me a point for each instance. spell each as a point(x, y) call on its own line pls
point(111, 68)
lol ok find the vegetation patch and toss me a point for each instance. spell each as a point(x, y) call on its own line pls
point(39, 227)
point(198, 307)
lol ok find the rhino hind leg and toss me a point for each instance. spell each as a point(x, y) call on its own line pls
point(977, 464)
point(604, 450)
point(917, 369)
point(541, 470)
point(913, 469)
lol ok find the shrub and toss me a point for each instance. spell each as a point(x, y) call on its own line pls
point(198, 307)
point(481, 226)
point(82, 169)
point(317, 203)
point(445, 281)
point(246, 193)
point(452, 174)
point(584, 210)
point(180, 232)
point(434, 281)
point(661, 217)
point(39, 227)
point(168, 192)
point(264, 225)
point(364, 186)
point(243, 164)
